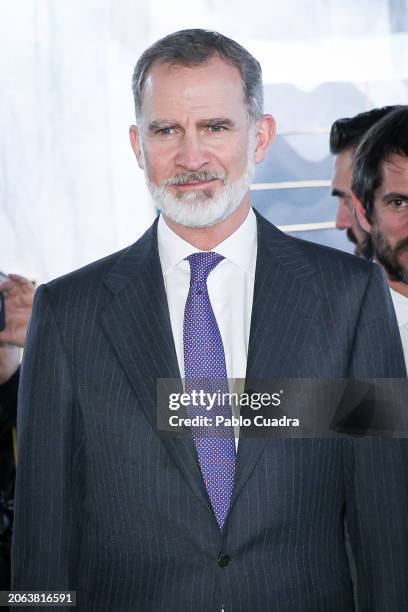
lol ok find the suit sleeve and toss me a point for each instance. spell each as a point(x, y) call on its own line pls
point(49, 486)
point(376, 468)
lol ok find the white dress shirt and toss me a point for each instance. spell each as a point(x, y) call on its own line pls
point(230, 288)
point(401, 310)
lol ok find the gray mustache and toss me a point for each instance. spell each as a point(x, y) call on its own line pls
point(194, 177)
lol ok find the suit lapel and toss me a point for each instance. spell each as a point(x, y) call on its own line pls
point(137, 322)
point(284, 306)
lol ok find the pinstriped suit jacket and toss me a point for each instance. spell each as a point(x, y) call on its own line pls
point(109, 508)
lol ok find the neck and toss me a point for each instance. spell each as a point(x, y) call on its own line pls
point(206, 238)
point(399, 287)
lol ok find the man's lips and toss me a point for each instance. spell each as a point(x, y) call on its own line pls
point(194, 185)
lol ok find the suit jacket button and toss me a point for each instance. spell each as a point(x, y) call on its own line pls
point(223, 560)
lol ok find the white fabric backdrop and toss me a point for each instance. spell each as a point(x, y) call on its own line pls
point(70, 189)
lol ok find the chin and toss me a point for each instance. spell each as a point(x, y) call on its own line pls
point(200, 212)
point(193, 196)
point(197, 215)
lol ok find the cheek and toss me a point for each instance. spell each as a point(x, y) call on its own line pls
point(230, 153)
point(398, 229)
point(236, 164)
point(393, 227)
point(157, 165)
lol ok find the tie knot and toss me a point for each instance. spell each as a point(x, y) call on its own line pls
point(201, 265)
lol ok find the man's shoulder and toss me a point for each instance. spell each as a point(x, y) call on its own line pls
point(112, 270)
point(327, 258)
point(91, 273)
point(310, 257)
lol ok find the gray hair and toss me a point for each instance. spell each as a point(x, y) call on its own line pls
point(193, 48)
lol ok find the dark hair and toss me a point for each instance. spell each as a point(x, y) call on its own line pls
point(387, 137)
point(346, 133)
point(196, 47)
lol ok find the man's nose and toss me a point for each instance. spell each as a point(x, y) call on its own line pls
point(343, 216)
point(192, 153)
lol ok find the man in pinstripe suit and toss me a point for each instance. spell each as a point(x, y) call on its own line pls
point(112, 509)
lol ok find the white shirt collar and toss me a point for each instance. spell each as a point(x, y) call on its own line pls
point(239, 248)
point(400, 307)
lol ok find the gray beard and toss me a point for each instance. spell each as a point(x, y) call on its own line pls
point(202, 208)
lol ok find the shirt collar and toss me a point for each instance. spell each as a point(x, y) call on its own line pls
point(400, 306)
point(239, 248)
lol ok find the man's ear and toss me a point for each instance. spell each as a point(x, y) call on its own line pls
point(136, 145)
point(265, 133)
point(361, 213)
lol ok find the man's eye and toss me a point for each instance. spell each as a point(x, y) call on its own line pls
point(216, 128)
point(399, 204)
point(167, 131)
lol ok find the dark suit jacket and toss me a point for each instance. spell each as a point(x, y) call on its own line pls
point(108, 507)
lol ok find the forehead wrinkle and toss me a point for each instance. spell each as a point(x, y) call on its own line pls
point(196, 94)
point(397, 164)
point(199, 102)
point(189, 107)
point(394, 177)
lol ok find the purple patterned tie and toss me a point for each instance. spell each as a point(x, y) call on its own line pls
point(205, 370)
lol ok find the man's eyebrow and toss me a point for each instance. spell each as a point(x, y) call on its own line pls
point(395, 195)
point(158, 124)
point(217, 121)
point(338, 193)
